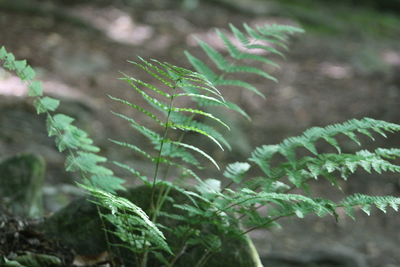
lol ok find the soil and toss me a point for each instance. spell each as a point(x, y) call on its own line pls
point(324, 79)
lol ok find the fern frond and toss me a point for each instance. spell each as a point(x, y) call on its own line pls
point(196, 149)
point(67, 135)
point(169, 149)
point(262, 155)
point(141, 109)
point(133, 171)
point(366, 203)
point(145, 96)
point(201, 67)
point(133, 148)
point(179, 118)
point(200, 96)
point(289, 203)
point(194, 129)
point(87, 162)
point(239, 83)
point(325, 165)
point(236, 171)
point(108, 183)
point(149, 86)
point(200, 112)
point(154, 137)
point(127, 216)
point(237, 54)
point(46, 104)
point(150, 68)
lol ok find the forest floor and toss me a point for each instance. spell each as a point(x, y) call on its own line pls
point(329, 75)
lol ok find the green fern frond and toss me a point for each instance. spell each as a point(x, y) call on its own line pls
point(134, 106)
point(149, 86)
point(201, 67)
point(127, 216)
point(202, 113)
point(46, 104)
point(325, 165)
point(289, 203)
point(154, 137)
point(88, 163)
point(108, 183)
point(236, 171)
point(196, 149)
point(158, 74)
point(366, 203)
point(239, 83)
point(67, 136)
point(196, 130)
point(134, 148)
point(133, 171)
point(239, 55)
point(262, 155)
point(179, 118)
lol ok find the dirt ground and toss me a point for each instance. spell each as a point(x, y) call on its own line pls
point(324, 79)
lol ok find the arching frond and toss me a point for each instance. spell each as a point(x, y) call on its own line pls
point(264, 38)
point(262, 155)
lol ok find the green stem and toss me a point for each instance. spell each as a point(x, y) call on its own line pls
point(154, 208)
point(166, 127)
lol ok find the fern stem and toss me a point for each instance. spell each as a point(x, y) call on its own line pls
point(165, 133)
point(155, 209)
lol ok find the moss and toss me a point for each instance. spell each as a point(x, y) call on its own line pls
point(21, 181)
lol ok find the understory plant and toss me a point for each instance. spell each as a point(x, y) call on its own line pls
point(250, 194)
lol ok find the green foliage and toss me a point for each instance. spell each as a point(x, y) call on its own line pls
point(209, 210)
point(258, 38)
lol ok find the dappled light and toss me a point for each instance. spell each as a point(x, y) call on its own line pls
point(118, 25)
point(335, 71)
point(199, 133)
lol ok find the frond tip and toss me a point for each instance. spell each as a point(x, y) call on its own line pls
point(268, 38)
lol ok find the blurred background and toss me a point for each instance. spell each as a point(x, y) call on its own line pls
point(346, 65)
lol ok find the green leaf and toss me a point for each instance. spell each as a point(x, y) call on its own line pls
point(88, 163)
point(201, 67)
point(3, 53)
point(236, 171)
point(209, 187)
point(46, 104)
point(198, 150)
point(108, 183)
point(27, 74)
point(35, 89)
point(143, 110)
point(200, 112)
point(194, 129)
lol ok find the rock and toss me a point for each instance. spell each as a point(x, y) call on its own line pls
point(334, 257)
point(21, 181)
point(78, 226)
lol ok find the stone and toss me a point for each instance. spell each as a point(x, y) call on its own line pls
point(21, 181)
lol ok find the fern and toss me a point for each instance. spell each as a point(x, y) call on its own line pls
point(204, 212)
point(264, 38)
point(98, 180)
point(175, 79)
point(129, 218)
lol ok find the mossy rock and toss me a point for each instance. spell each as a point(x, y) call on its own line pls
point(79, 227)
point(21, 182)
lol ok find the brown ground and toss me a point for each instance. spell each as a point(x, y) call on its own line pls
point(324, 80)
